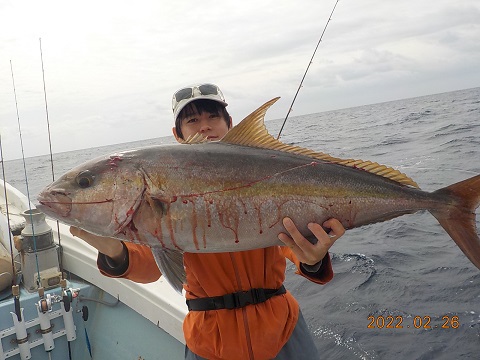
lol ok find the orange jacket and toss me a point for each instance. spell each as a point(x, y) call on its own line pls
point(252, 332)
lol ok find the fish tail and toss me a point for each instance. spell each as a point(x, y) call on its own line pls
point(458, 217)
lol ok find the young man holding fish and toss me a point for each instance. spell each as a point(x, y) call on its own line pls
point(238, 306)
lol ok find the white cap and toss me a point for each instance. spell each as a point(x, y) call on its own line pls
point(186, 95)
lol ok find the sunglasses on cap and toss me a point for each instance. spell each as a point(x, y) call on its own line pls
point(194, 91)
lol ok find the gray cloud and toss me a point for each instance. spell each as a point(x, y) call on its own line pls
point(111, 68)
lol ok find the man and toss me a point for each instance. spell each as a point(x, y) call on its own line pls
point(238, 306)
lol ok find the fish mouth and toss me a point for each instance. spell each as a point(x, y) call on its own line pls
point(55, 203)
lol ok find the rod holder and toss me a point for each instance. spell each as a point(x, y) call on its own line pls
point(22, 336)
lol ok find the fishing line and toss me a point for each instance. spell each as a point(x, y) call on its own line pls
point(46, 110)
point(14, 280)
point(60, 258)
point(26, 178)
point(306, 71)
point(51, 153)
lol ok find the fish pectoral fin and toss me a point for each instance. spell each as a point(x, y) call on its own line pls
point(170, 263)
point(157, 206)
point(154, 195)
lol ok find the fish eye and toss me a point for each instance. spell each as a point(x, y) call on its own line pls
point(85, 179)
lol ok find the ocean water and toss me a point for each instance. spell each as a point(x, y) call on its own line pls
point(402, 288)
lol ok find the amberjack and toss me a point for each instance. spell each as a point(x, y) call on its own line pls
point(232, 194)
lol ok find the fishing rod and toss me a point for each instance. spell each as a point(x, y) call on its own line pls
point(26, 177)
point(14, 272)
point(66, 294)
point(46, 110)
point(45, 303)
point(51, 153)
point(7, 210)
point(306, 70)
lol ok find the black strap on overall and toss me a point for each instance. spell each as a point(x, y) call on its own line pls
point(234, 300)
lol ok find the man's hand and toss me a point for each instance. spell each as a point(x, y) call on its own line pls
point(305, 251)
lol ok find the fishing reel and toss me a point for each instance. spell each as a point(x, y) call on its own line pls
point(67, 296)
point(45, 304)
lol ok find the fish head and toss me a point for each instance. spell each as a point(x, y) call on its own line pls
point(100, 196)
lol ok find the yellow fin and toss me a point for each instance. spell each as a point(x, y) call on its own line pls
point(252, 132)
point(198, 138)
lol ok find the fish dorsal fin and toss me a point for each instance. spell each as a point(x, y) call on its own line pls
point(252, 132)
point(198, 138)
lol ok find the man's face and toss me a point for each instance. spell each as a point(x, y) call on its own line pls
point(212, 126)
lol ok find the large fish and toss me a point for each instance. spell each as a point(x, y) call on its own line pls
point(231, 195)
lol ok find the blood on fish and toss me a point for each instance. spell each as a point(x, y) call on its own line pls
point(194, 226)
point(244, 206)
point(114, 160)
point(168, 220)
point(130, 212)
point(208, 213)
point(194, 222)
point(259, 218)
point(225, 221)
point(132, 227)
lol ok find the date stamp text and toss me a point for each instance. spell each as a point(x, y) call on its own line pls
point(415, 322)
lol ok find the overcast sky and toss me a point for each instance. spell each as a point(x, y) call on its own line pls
point(111, 66)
